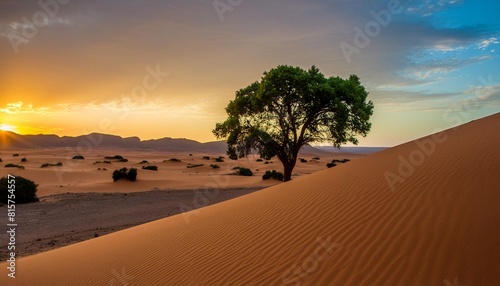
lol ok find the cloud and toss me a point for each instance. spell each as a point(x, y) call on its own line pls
point(428, 8)
point(484, 44)
point(424, 71)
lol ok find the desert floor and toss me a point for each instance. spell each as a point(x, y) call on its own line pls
point(421, 213)
point(80, 201)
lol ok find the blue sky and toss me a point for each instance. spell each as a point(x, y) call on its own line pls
point(428, 65)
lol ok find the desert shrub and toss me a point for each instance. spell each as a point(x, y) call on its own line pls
point(190, 154)
point(220, 160)
point(144, 162)
point(266, 162)
point(25, 190)
point(206, 158)
point(315, 158)
point(122, 160)
point(45, 165)
point(151, 168)
point(78, 157)
point(259, 160)
point(194, 165)
point(116, 157)
point(10, 165)
point(273, 174)
point(1, 160)
point(104, 162)
point(15, 155)
point(329, 165)
point(303, 160)
point(132, 174)
point(214, 166)
point(24, 160)
point(122, 173)
point(119, 174)
point(341, 161)
point(235, 168)
point(245, 172)
point(173, 160)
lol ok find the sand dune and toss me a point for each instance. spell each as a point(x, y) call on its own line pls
point(375, 221)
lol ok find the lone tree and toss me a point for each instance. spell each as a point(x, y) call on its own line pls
point(291, 107)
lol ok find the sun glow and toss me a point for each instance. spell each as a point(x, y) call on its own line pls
point(6, 127)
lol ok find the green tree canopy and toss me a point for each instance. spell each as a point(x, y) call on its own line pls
point(291, 107)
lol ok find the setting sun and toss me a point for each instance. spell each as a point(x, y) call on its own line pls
point(6, 127)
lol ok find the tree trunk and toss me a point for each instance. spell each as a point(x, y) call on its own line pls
point(288, 170)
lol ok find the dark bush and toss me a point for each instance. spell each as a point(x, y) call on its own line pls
point(151, 168)
point(1, 160)
point(245, 172)
point(303, 160)
point(266, 162)
point(144, 162)
point(329, 165)
point(315, 158)
point(25, 190)
point(259, 160)
point(122, 173)
point(58, 164)
point(119, 174)
point(190, 154)
point(219, 160)
point(78, 157)
point(173, 160)
point(194, 165)
point(15, 155)
point(206, 158)
point(214, 166)
point(116, 157)
point(132, 174)
point(10, 165)
point(273, 174)
point(122, 160)
point(24, 160)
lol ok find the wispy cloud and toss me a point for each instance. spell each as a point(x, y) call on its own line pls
point(427, 8)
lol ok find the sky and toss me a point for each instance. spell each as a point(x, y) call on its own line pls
point(157, 69)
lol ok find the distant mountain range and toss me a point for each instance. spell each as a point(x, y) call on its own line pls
point(11, 140)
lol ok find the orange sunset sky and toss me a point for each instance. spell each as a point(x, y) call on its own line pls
point(157, 69)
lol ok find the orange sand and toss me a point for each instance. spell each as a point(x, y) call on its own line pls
point(438, 225)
